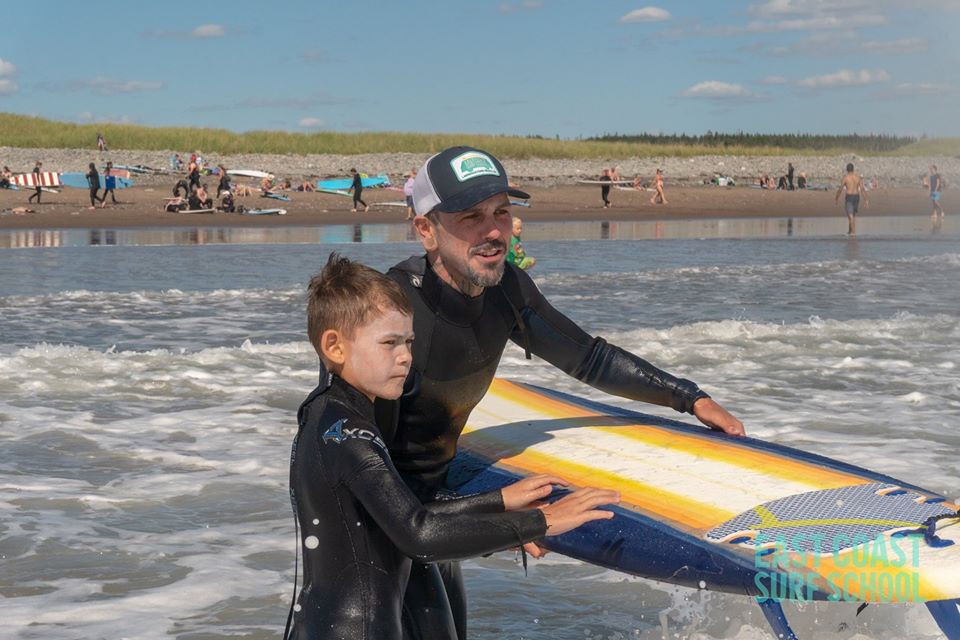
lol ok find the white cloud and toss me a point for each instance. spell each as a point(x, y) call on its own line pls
point(716, 90)
point(311, 123)
point(8, 87)
point(526, 5)
point(901, 45)
point(845, 78)
point(814, 23)
point(209, 31)
point(647, 14)
point(7, 68)
point(778, 8)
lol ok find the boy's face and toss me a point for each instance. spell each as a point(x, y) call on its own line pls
point(377, 359)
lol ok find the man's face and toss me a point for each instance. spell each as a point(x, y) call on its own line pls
point(473, 244)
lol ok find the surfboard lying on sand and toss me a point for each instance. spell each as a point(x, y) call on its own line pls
point(335, 192)
point(42, 179)
point(346, 183)
point(249, 173)
point(710, 511)
point(79, 181)
point(276, 196)
point(197, 211)
point(264, 212)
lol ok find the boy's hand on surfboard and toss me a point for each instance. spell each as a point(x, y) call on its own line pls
point(580, 507)
point(528, 492)
point(716, 417)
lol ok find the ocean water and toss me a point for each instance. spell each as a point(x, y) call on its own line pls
point(148, 393)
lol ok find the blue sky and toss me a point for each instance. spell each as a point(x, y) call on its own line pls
point(547, 67)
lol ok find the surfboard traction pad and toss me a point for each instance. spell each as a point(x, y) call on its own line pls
point(834, 518)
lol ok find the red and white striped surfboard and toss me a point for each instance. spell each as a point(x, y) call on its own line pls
point(46, 179)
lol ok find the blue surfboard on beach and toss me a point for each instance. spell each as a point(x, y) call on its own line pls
point(79, 181)
point(346, 183)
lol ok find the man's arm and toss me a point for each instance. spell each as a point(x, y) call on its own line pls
point(606, 367)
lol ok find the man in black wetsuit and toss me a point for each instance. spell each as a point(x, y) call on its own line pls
point(360, 523)
point(467, 304)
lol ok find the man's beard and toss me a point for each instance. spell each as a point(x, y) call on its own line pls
point(487, 277)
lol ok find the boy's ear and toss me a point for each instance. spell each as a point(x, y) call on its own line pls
point(332, 346)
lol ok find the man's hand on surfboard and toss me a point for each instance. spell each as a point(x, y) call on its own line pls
point(716, 417)
point(577, 508)
point(529, 492)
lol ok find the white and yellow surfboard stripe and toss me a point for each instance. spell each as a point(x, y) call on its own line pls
point(691, 482)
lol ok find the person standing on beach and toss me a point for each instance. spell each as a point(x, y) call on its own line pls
point(790, 176)
point(36, 175)
point(408, 192)
point(605, 189)
point(936, 187)
point(853, 185)
point(659, 197)
point(357, 188)
point(101, 143)
point(224, 184)
point(93, 180)
point(467, 304)
point(109, 184)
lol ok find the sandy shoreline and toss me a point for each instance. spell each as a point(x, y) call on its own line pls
point(141, 207)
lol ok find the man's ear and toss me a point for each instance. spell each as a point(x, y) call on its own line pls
point(427, 231)
point(332, 346)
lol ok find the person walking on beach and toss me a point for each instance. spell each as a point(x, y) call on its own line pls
point(935, 183)
point(101, 143)
point(357, 188)
point(467, 304)
point(853, 185)
point(93, 180)
point(659, 197)
point(36, 175)
point(408, 192)
point(605, 189)
point(109, 184)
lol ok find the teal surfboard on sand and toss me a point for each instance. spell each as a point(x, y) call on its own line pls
point(710, 511)
point(346, 183)
point(276, 196)
point(79, 181)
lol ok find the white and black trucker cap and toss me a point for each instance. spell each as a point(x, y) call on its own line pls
point(458, 178)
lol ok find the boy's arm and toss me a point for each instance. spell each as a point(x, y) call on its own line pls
point(418, 532)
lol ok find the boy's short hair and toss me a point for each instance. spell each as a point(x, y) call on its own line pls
point(347, 295)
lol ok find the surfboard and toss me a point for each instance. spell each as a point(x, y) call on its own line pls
point(520, 203)
point(249, 173)
point(79, 180)
point(335, 192)
point(276, 196)
point(42, 179)
point(346, 183)
point(394, 203)
point(117, 172)
point(710, 511)
point(602, 182)
point(264, 212)
point(197, 211)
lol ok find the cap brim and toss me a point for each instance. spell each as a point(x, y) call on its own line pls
point(466, 199)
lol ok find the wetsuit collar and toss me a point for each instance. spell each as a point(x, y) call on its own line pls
point(347, 394)
point(452, 305)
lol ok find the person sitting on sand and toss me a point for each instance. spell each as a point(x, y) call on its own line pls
point(6, 178)
point(193, 202)
point(173, 205)
point(638, 184)
point(802, 181)
point(306, 186)
point(206, 201)
point(659, 197)
point(266, 186)
point(764, 180)
point(226, 202)
point(517, 255)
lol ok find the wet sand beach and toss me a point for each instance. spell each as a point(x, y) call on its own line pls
point(142, 207)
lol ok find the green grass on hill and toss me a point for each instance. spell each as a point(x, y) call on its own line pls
point(30, 132)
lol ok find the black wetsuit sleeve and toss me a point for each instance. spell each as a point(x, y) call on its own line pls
point(489, 502)
point(418, 532)
point(593, 360)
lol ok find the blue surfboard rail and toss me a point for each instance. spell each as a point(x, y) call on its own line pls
point(79, 181)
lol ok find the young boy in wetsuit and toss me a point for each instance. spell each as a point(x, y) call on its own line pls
point(360, 525)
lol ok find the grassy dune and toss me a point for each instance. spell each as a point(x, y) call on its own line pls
point(30, 132)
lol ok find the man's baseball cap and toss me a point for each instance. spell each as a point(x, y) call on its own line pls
point(458, 178)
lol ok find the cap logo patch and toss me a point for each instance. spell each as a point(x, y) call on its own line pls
point(472, 164)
